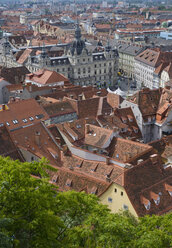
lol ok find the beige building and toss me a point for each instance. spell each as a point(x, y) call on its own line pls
point(78, 63)
point(166, 75)
point(127, 53)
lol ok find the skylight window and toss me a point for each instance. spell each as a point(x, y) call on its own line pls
point(39, 116)
point(15, 121)
point(25, 120)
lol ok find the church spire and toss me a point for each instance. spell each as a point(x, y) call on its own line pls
point(77, 31)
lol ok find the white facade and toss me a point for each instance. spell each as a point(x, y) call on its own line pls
point(144, 74)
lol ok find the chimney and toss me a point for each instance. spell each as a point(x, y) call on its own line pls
point(61, 156)
point(3, 107)
point(107, 160)
point(37, 138)
point(139, 161)
point(80, 97)
point(154, 158)
point(64, 149)
point(87, 128)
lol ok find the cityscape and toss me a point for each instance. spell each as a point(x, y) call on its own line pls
point(85, 124)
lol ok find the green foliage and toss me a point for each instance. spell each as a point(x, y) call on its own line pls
point(33, 214)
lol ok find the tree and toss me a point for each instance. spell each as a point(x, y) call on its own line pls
point(34, 214)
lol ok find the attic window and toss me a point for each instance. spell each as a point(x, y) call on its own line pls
point(78, 126)
point(39, 116)
point(157, 201)
point(170, 192)
point(94, 190)
point(79, 165)
point(24, 120)
point(55, 178)
point(117, 155)
point(69, 182)
point(115, 190)
point(31, 118)
point(15, 121)
point(8, 124)
point(148, 205)
point(135, 130)
point(125, 207)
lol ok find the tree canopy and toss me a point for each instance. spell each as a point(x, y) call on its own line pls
point(33, 214)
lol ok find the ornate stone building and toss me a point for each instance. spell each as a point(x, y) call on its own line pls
point(81, 66)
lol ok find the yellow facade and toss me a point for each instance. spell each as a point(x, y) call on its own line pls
point(116, 199)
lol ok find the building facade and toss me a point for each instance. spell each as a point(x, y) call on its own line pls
point(81, 66)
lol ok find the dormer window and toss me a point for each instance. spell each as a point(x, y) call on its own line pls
point(94, 190)
point(168, 187)
point(136, 130)
point(31, 118)
point(157, 201)
point(148, 205)
point(69, 182)
point(15, 121)
point(124, 120)
point(8, 124)
point(145, 202)
point(24, 120)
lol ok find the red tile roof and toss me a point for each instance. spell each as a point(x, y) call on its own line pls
point(22, 113)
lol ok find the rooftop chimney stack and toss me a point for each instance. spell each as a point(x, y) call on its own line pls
point(37, 138)
point(87, 128)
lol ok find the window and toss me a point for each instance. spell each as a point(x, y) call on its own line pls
point(148, 205)
point(95, 66)
point(115, 190)
point(83, 60)
point(1, 124)
point(84, 70)
point(24, 120)
point(157, 201)
point(39, 116)
point(125, 207)
point(8, 124)
point(15, 121)
point(122, 193)
point(31, 118)
point(69, 182)
point(109, 199)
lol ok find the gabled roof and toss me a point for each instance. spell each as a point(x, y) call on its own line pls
point(7, 145)
point(67, 179)
point(22, 113)
point(144, 183)
point(37, 140)
point(22, 59)
point(147, 101)
point(125, 150)
point(45, 76)
point(58, 109)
